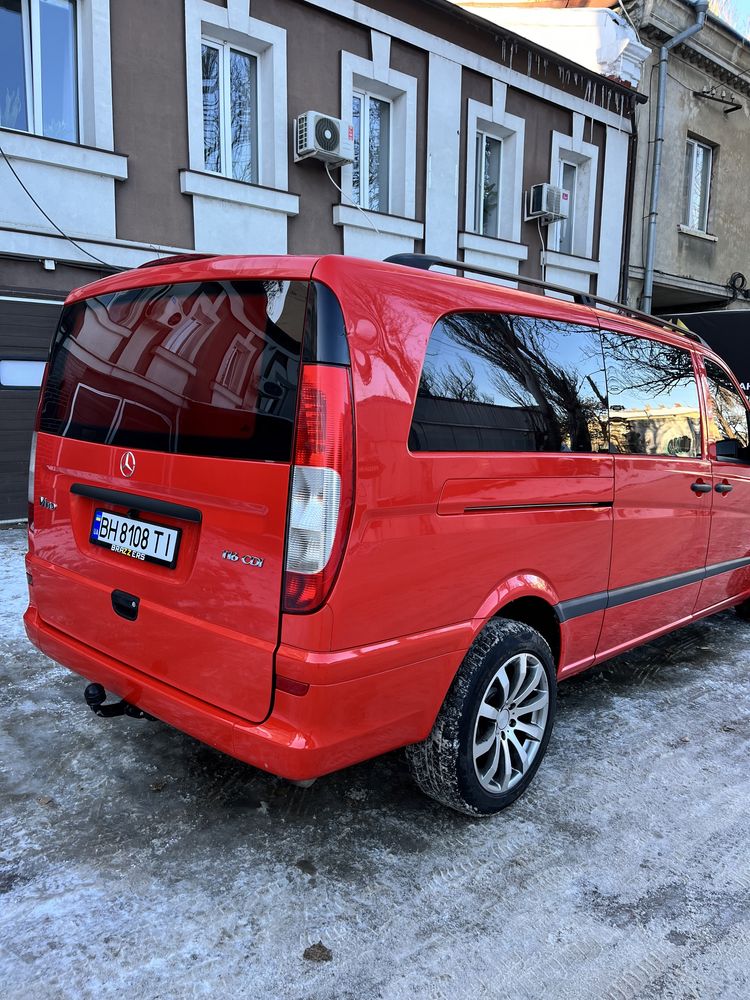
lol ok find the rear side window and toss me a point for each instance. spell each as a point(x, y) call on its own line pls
point(728, 416)
point(496, 382)
point(653, 398)
point(201, 368)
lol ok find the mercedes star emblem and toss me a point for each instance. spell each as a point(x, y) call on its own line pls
point(127, 464)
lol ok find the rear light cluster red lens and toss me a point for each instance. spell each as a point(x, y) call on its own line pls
point(32, 463)
point(322, 487)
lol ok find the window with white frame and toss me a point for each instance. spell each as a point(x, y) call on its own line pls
point(39, 67)
point(697, 185)
point(494, 180)
point(488, 184)
point(573, 167)
point(230, 110)
point(568, 181)
point(371, 170)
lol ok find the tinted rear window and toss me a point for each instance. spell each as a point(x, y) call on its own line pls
point(495, 382)
point(207, 368)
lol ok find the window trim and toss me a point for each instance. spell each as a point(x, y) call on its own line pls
point(225, 48)
point(495, 122)
point(687, 203)
point(585, 156)
point(265, 41)
point(376, 78)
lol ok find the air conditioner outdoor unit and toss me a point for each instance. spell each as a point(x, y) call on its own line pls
point(324, 138)
point(547, 203)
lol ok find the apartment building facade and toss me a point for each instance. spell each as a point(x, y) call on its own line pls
point(701, 259)
point(133, 130)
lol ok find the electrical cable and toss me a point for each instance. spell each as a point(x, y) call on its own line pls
point(623, 8)
point(345, 195)
point(70, 239)
point(544, 253)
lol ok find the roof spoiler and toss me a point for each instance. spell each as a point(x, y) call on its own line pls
point(176, 258)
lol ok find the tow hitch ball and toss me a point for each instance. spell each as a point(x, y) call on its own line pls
point(95, 696)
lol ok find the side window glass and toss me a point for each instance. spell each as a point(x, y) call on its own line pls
point(653, 398)
point(494, 382)
point(727, 416)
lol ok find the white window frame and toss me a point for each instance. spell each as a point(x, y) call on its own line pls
point(32, 65)
point(224, 49)
point(480, 140)
point(365, 97)
point(569, 224)
point(687, 205)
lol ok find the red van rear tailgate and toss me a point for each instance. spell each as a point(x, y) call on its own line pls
point(168, 415)
point(209, 626)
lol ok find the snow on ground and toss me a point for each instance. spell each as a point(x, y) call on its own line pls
point(136, 862)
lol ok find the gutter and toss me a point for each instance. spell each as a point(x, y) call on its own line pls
point(700, 8)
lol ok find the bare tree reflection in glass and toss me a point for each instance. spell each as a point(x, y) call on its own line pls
point(243, 105)
point(211, 109)
point(544, 380)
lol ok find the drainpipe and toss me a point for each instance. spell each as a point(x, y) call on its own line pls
point(700, 7)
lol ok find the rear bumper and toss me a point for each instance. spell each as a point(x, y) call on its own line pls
point(342, 720)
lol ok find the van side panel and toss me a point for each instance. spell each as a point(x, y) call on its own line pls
point(434, 535)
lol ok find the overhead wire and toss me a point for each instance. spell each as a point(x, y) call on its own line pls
point(111, 267)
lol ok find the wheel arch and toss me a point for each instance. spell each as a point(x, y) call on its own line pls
point(527, 598)
point(539, 615)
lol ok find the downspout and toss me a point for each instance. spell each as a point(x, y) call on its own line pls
point(629, 202)
point(700, 7)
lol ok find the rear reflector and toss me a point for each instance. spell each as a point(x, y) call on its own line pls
point(322, 487)
point(291, 686)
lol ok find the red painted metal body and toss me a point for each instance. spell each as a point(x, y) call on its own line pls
point(422, 572)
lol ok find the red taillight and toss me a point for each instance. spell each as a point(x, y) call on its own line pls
point(32, 463)
point(322, 487)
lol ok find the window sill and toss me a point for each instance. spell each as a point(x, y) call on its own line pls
point(493, 247)
point(209, 185)
point(391, 225)
point(687, 231)
point(58, 153)
point(571, 262)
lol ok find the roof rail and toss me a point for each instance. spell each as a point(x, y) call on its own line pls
point(425, 261)
point(176, 258)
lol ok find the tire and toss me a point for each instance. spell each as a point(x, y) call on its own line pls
point(743, 610)
point(506, 658)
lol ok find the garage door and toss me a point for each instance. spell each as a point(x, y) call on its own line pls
point(26, 329)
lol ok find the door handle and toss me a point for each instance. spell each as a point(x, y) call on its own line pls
point(723, 487)
point(700, 487)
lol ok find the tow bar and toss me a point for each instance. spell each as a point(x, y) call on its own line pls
point(95, 696)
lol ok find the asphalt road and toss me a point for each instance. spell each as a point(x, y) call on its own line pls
point(136, 862)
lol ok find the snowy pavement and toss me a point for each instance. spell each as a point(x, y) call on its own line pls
point(136, 862)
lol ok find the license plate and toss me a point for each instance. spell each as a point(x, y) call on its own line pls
point(141, 540)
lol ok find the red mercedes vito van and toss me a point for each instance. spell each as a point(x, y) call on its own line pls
point(309, 510)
